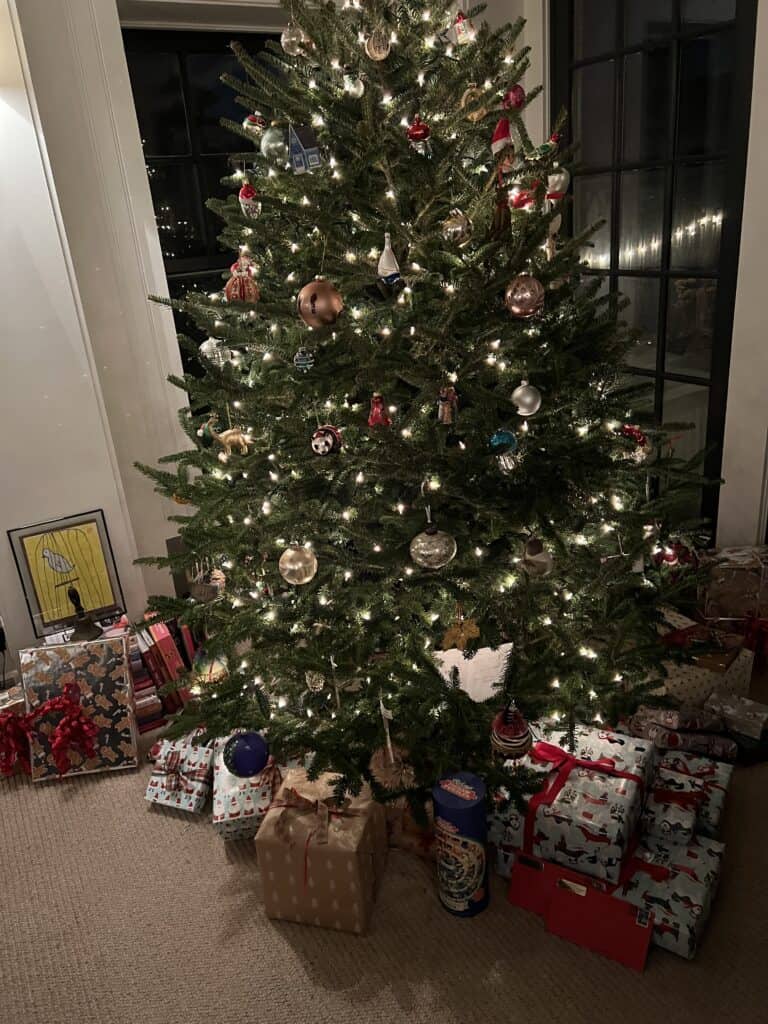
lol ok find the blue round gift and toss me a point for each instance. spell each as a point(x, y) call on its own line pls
point(460, 832)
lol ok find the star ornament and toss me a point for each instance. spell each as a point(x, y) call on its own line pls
point(460, 634)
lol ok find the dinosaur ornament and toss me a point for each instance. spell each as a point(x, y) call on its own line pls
point(234, 440)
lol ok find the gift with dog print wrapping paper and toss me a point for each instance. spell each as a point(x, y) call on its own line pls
point(584, 816)
point(672, 807)
point(181, 776)
point(630, 753)
point(714, 776)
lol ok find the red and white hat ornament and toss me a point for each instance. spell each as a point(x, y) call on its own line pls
point(502, 136)
point(249, 202)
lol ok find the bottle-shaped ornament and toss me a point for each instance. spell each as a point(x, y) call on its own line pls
point(378, 417)
point(447, 405)
point(388, 269)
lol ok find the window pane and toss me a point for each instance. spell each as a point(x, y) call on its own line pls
point(648, 20)
point(697, 216)
point(178, 210)
point(213, 169)
point(642, 315)
point(690, 325)
point(591, 202)
point(156, 84)
point(706, 77)
point(696, 13)
point(594, 27)
point(178, 287)
point(211, 100)
point(644, 401)
point(593, 113)
point(647, 115)
point(642, 209)
point(687, 403)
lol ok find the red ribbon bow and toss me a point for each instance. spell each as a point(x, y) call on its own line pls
point(178, 775)
point(74, 730)
point(14, 743)
point(688, 801)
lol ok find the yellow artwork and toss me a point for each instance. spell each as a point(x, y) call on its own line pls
point(71, 556)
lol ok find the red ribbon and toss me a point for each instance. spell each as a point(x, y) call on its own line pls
point(563, 764)
point(73, 731)
point(178, 775)
point(756, 639)
point(14, 743)
point(526, 196)
point(688, 801)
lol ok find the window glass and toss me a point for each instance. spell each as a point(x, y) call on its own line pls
point(593, 88)
point(647, 121)
point(690, 325)
point(642, 211)
point(648, 19)
point(156, 84)
point(697, 216)
point(211, 99)
point(594, 27)
point(703, 13)
point(591, 203)
point(178, 209)
point(642, 315)
point(706, 80)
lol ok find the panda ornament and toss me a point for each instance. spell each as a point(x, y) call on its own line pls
point(326, 440)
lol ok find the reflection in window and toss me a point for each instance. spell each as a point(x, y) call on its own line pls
point(642, 210)
point(690, 325)
point(642, 315)
point(591, 203)
point(647, 126)
point(593, 90)
point(706, 78)
point(697, 216)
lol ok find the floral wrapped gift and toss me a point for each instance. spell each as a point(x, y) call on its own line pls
point(239, 804)
point(714, 776)
point(321, 862)
point(583, 816)
point(741, 715)
point(672, 806)
point(80, 711)
point(181, 776)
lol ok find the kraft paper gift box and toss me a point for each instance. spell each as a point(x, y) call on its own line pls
point(583, 817)
point(737, 583)
point(181, 776)
point(239, 804)
point(97, 672)
point(321, 863)
point(741, 715)
point(671, 807)
point(692, 683)
point(715, 777)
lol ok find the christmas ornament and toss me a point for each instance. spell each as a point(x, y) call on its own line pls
point(503, 441)
point(242, 285)
point(294, 40)
point(388, 268)
point(232, 440)
point(537, 561)
point(457, 228)
point(447, 404)
point(216, 352)
point(246, 754)
point(298, 565)
point(249, 204)
point(460, 633)
point(205, 435)
point(418, 133)
point(527, 398)
point(378, 417)
point(254, 124)
point(315, 681)
point(502, 137)
point(520, 198)
point(326, 440)
point(643, 450)
point(557, 183)
point(546, 149)
point(319, 303)
point(433, 548)
point(471, 96)
point(208, 671)
point(510, 734)
point(353, 85)
point(207, 585)
point(389, 767)
point(273, 145)
point(378, 44)
point(304, 360)
point(514, 98)
point(524, 296)
point(464, 29)
point(508, 462)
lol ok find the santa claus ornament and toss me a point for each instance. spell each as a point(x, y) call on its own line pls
point(249, 202)
point(326, 440)
point(447, 405)
point(254, 124)
point(464, 29)
point(378, 417)
point(242, 285)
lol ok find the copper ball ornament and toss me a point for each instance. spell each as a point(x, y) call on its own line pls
point(319, 303)
point(297, 565)
point(524, 296)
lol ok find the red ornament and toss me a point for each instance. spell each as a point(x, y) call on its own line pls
point(510, 733)
point(635, 434)
point(378, 417)
point(418, 130)
point(514, 98)
point(242, 285)
point(502, 136)
point(249, 202)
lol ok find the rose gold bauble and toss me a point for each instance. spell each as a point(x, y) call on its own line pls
point(524, 296)
point(319, 303)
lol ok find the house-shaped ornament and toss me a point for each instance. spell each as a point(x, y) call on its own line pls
point(303, 148)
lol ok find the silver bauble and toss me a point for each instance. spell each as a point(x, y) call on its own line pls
point(537, 561)
point(273, 145)
point(215, 351)
point(433, 548)
point(294, 40)
point(527, 398)
point(457, 228)
point(354, 86)
point(315, 681)
point(298, 565)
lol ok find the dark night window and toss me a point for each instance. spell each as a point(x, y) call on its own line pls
point(658, 95)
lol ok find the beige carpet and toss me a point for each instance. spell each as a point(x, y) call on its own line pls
point(114, 912)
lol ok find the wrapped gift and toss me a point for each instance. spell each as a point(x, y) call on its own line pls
point(715, 777)
point(729, 668)
point(321, 861)
point(181, 776)
point(701, 859)
point(679, 904)
point(737, 583)
point(583, 816)
point(645, 723)
point(239, 804)
point(14, 733)
point(672, 806)
point(79, 704)
point(628, 753)
point(685, 719)
point(741, 715)
point(12, 699)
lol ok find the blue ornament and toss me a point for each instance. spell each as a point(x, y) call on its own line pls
point(246, 754)
point(503, 441)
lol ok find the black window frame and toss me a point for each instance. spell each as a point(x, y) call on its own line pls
point(563, 64)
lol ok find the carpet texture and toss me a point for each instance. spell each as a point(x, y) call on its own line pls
point(115, 912)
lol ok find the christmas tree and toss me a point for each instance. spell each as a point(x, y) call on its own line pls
point(412, 431)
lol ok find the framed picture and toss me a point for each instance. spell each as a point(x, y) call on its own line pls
point(56, 556)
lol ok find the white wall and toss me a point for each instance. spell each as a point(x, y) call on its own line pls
point(55, 451)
